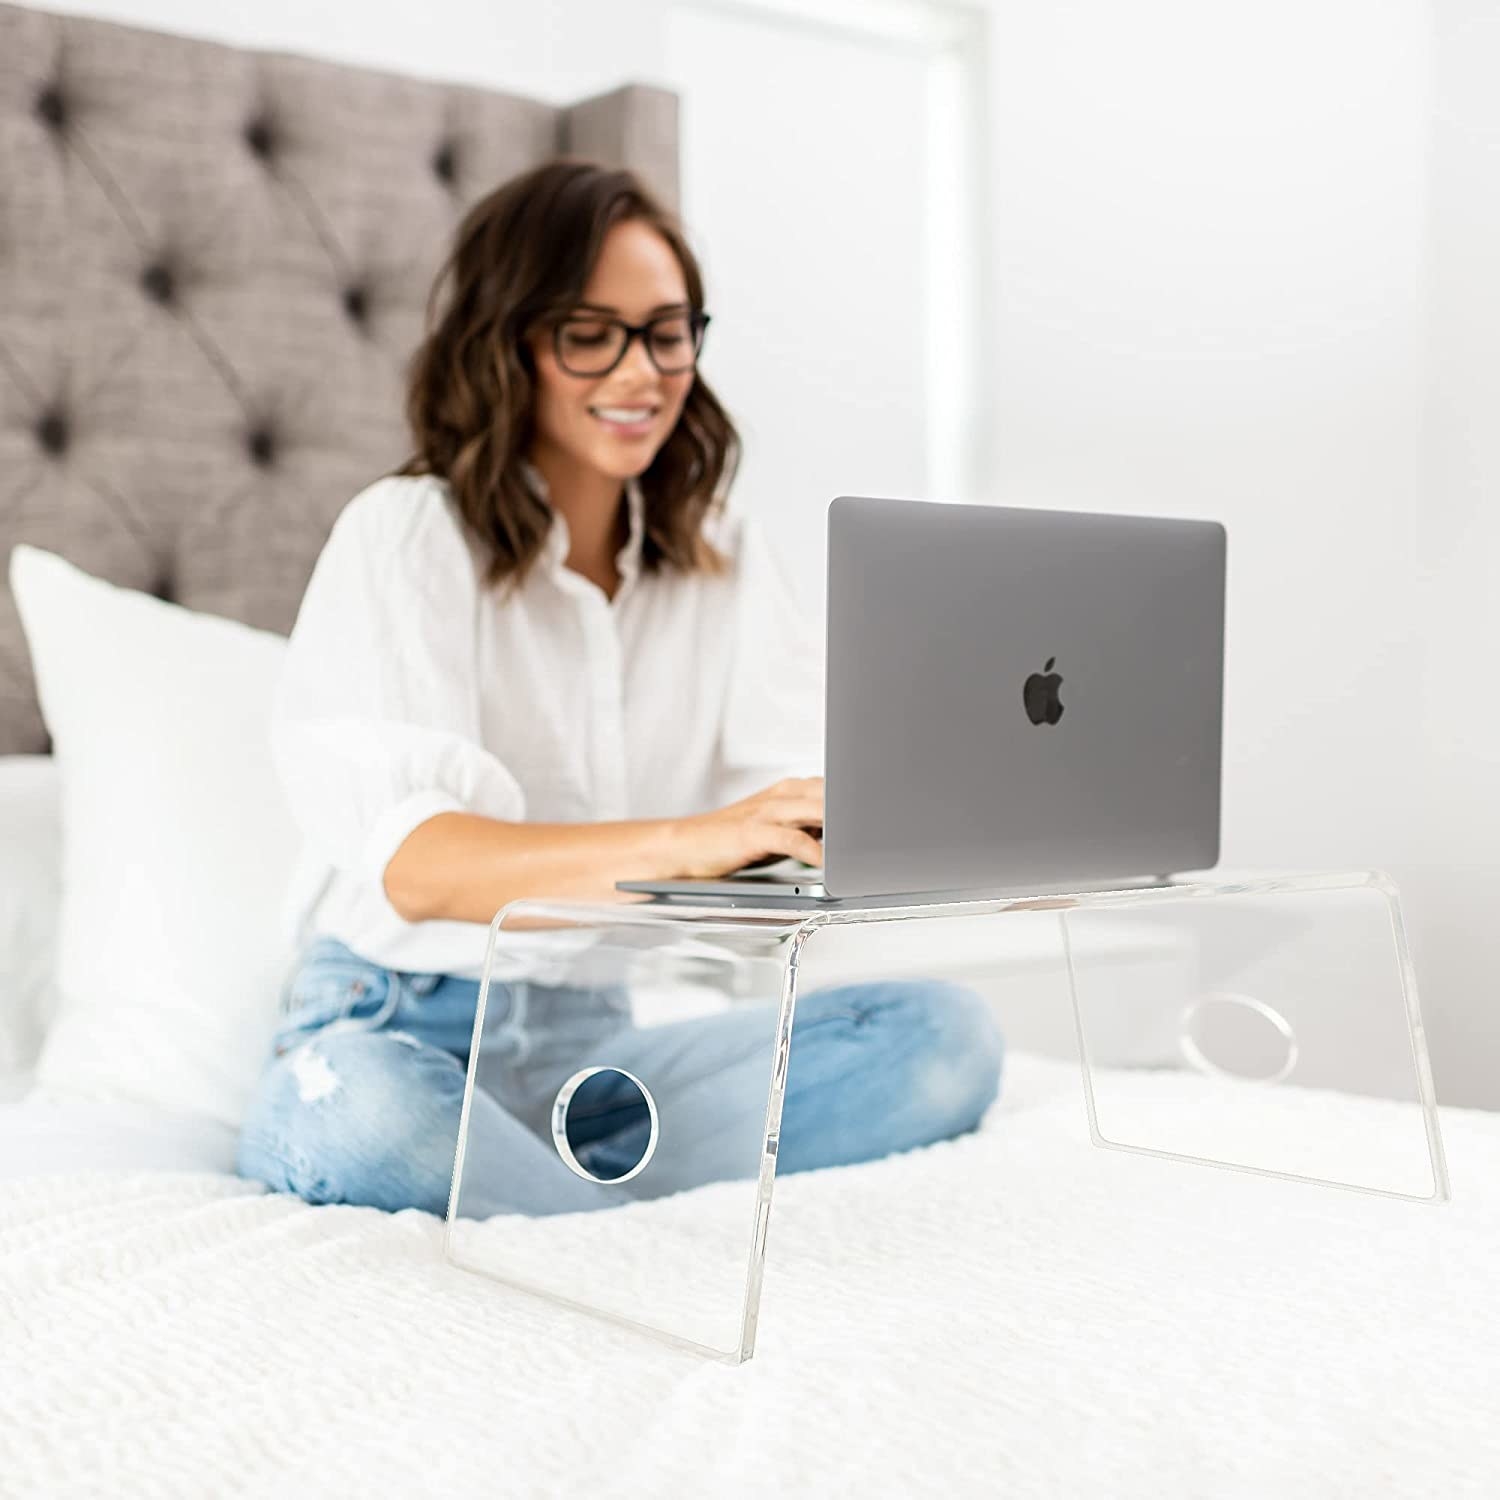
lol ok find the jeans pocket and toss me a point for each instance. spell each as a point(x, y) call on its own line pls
point(331, 990)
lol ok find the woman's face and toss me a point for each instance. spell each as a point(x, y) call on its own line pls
point(613, 424)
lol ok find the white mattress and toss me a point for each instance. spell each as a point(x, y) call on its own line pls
point(1009, 1313)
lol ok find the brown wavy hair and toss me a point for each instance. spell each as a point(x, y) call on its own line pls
point(521, 257)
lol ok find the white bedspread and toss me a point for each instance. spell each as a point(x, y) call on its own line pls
point(1012, 1314)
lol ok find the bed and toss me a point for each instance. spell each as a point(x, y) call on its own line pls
point(1033, 1317)
point(214, 262)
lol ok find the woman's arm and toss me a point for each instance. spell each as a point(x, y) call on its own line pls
point(464, 867)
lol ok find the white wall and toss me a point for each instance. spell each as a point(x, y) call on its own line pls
point(1210, 281)
point(1458, 897)
point(809, 218)
point(1210, 230)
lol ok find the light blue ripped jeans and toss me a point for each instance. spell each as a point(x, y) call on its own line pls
point(360, 1100)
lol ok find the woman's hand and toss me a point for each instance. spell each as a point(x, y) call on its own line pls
point(772, 824)
point(459, 866)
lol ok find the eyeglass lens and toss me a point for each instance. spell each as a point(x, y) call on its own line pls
point(592, 346)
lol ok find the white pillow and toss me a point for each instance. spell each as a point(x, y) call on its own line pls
point(30, 862)
point(177, 845)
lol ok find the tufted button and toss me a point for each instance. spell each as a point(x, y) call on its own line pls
point(445, 162)
point(262, 447)
point(51, 109)
point(158, 282)
point(52, 432)
point(259, 138)
point(356, 303)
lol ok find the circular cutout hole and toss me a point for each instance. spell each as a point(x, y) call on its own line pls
point(605, 1125)
point(1228, 1035)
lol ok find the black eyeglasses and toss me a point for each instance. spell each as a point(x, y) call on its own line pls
point(592, 344)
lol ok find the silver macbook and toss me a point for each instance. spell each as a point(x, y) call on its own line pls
point(1017, 701)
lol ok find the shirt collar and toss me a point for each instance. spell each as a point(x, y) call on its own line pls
point(554, 553)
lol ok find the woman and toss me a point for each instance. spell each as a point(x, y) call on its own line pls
point(538, 660)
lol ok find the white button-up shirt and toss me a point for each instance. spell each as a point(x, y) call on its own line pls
point(411, 689)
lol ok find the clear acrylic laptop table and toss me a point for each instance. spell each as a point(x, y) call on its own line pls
point(622, 1120)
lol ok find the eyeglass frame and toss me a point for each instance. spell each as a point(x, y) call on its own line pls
point(698, 321)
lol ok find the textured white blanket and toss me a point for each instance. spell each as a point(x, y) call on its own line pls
point(1009, 1314)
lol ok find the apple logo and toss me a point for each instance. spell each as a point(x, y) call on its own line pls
point(1040, 695)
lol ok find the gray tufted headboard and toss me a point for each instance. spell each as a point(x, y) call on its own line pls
point(213, 269)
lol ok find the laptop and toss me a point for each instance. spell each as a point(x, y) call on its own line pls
point(1017, 702)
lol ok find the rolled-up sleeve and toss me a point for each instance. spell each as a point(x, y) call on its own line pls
point(773, 708)
point(375, 728)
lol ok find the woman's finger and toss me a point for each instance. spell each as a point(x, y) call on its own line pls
point(793, 843)
point(793, 786)
point(795, 811)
